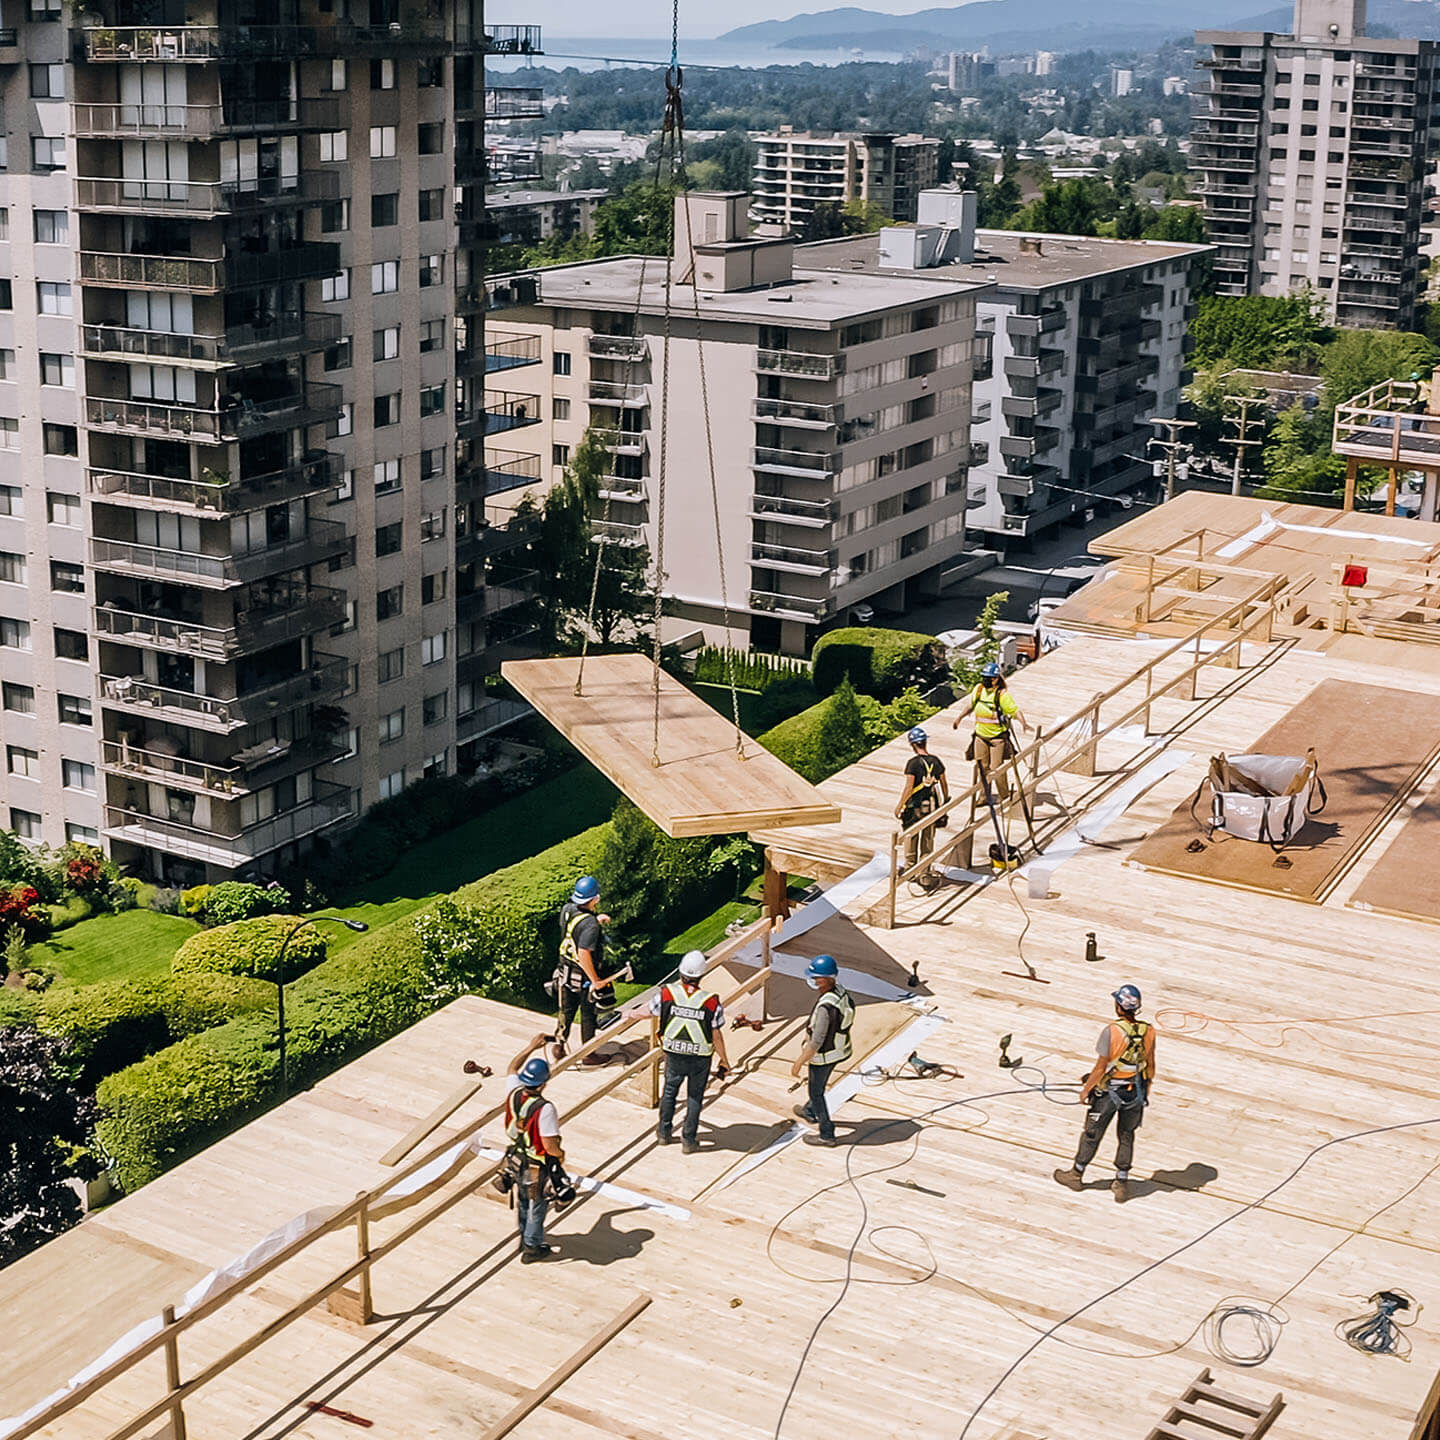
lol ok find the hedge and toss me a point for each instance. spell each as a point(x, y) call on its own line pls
point(182, 1098)
point(252, 947)
point(816, 752)
point(878, 662)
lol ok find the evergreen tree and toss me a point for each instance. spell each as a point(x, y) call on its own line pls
point(841, 738)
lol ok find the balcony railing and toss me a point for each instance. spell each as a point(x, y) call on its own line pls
point(629, 492)
point(204, 122)
point(788, 557)
point(236, 778)
point(323, 540)
point(490, 716)
point(509, 470)
point(630, 348)
point(218, 496)
point(798, 363)
point(241, 418)
point(798, 413)
point(811, 513)
point(795, 462)
point(793, 607)
point(193, 44)
point(505, 411)
point(512, 353)
point(514, 102)
point(152, 272)
point(325, 679)
point(499, 39)
point(201, 198)
point(612, 392)
point(621, 442)
point(617, 532)
point(296, 334)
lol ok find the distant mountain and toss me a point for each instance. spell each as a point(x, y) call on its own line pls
point(1053, 24)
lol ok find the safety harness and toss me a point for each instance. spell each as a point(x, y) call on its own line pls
point(525, 1148)
point(569, 974)
point(989, 711)
point(687, 1021)
point(1124, 1078)
point(839, 1047)
point(922, 798)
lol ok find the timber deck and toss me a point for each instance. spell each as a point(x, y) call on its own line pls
point(1283, 1026)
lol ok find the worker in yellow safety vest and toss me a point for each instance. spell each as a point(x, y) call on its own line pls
point(994, 707)
point(689, 1023)
point(827, 1043)
point(1118, 1088)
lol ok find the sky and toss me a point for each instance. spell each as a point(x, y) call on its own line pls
point(648, 17)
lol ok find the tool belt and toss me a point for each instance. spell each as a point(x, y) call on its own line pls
point(517, 1169)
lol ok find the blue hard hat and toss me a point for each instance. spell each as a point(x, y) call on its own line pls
point(917, 736)
point(990, 671)
point(534, 1073)
point(587, 887)
point(821, 967)
point(1127, 997)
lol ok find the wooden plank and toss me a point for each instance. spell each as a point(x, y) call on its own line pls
point(1372, 742)
point(701, 785)
point(432, 1122)
point(1402, 880)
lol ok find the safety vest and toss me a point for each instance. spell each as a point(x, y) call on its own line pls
point(686, 1022)
point(1130, 1063)
point(840, 1047)
point(924, 788)
point(990, 718)
point(522, 1126)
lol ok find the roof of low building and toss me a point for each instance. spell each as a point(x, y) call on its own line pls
point(517, 199)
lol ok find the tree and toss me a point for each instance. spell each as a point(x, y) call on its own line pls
point(624, 594)
point(1074, 207)
point(725, 163)
point(46, 1130)
point(1298, 462)
point(841, 738)
point(1357, 359)
point(965, 668)
point(1263, 332)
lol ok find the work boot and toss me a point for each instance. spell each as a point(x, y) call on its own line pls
point(532, 1253)
point(689, 1147)
point(1120, 1189)
point(804, 1112)
point(664, 1137)
point(829, 1141)
point(1071, 1179)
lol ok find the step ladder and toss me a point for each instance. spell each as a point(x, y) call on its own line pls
point(1206, 1413)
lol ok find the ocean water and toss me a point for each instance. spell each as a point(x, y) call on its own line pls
point(595, 53)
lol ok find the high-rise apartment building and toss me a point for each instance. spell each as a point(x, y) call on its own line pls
point(840, 422)
point(796, 171)
point(1314, 150)
point(240, 351)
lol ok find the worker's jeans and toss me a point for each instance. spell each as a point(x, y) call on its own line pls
point(919, 845)
point(1097, 1122)
point(570, 1002)
point(691, 1070)
point(819, 1110)
point(990, 758)
point(532, 1200)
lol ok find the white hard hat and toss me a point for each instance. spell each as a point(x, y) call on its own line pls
point(692, 967)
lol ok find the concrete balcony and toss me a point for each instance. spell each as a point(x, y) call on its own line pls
point(506, 588)
point(611, 392)
point(798, 363)
point(791, 560)
point(240, 420)
point(205, 122)
point(630, 348)
point(625, 492)
point(511, 354)
point(797, 414)
point(203, 199)
point(489, 717)
point(790, 607)
point(617, 532)
point(514, 102)
point(324, 540)
point(315, 611)
point(299, 334)
point(505, 411)
point(1035, 325)
point(784, 509)
point(207, 276)
point(312, 476)
point(810, 464)
point(622, 442)
point(497, 39)
point(509, 470)
point(120, 757)
point(202, 44)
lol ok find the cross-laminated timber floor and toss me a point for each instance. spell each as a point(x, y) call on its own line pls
point(1283, 1026)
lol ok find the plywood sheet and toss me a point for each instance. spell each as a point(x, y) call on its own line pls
point(1403, 880)
point(701, 786)
point(1372, 742)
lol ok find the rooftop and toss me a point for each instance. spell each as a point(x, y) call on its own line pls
point(1002, 258)
point(517, 199)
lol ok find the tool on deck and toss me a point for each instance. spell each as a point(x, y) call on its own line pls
point(1092, 949)
point(744, 1022)
point(1006, 1063)
point(473, 1067)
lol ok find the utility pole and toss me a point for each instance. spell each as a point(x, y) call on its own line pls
point(1172, 445)
point(1241, 439)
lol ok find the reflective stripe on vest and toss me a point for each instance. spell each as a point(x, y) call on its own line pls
point(840, 1047)
point(685, 1023)
point(989, 715)
point(1131, 1060)
point(522, 1125)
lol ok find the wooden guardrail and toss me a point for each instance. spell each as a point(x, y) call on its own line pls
point(356, 1213)
point(1027, 768)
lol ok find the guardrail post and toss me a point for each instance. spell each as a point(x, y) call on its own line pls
point(1186, 687)
point(1084, 762)
point(355, 1305)
point(172, 1376)
point(1149, 693)
point(894, 882)
point(765, 960)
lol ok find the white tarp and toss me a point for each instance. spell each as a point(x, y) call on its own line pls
point(1275, 817)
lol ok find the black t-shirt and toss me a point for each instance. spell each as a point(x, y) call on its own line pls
point(587, 934)
point(926, 771)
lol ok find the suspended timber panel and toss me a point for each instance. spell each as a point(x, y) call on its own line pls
point(701, 785)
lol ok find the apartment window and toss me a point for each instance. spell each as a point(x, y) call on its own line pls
point(345, 559)
point(432, 205)
point(335, 146)
point(57, 369)
point(25, 823)
point(71, 644)
point(390, 666)
point(382, 74)
point(560, 454)
point(389, 603)
point(430, 74)
point(345, 421)
point(4, 222)
point(432, 526)
point(81, 834)
point(336, 287)
point(432, 463)
point(7, 299)
point(1336, 157)
point(432, 400)
point(382, 141)
point(432, 271)
point(66, 578)
point(387, 343)
point(62, 509)
point(432, 651)
point(52, 227)
point(52, 297)
point(338, 78)
point(432, 336)
point(390, 539)
point(387, 476)
point(61, 440)
point(47, 152)
point(18, 699)
point(430, 138)
point(334, 216)
point(392, 726)
point(45, 9)
point(385, 209)
point(21, 761)
point(386, 410)
point(74, 709)
point(14, 634)
point(433, 587)
point(78, 775)
point(561, 409)
point(436, 708)
point(391, 785)
point(338, 355)
point(12, 568)
point(47, 82)
point(7, 364)
point(345, 490)
point(12, 501)
point(560, 362)
point(385, 277)
point(9, 433)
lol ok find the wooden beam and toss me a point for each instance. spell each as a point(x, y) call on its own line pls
point(432, 1122)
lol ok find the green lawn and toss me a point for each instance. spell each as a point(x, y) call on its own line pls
point(131, 946)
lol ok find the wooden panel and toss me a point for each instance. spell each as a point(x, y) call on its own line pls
point(1372, 742)
point(1402, 880)
point(701, 786)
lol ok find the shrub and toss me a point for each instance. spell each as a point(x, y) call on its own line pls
point(803, 744)
point(252, 947)
point(234, 900)
point(750, 670)
point(782, 699)
point(18, 910)
point(165, 900)
point(840, 739)
point(192, 901)
point(87, 871)
point(21, 866)
point(878, 662)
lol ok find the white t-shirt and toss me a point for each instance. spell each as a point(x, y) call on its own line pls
point(549, 1120)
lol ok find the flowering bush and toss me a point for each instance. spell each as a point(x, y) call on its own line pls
point(16, 902)
point(85, 871)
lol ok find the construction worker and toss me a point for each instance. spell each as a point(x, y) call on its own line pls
point(826, 1044)
point(926, 788)
point(534, 1153)
point(994, 708)
point(577, 976)
point(689, 1022)
point(1118, 1088)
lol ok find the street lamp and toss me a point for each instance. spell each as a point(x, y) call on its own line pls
point(359, 926)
